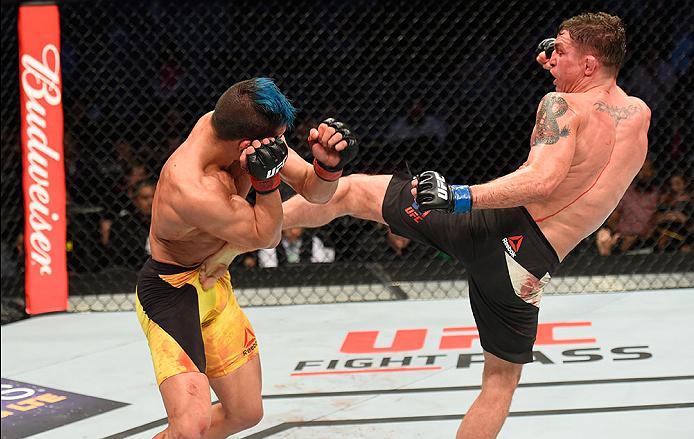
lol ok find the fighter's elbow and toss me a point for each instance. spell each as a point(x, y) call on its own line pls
point(548, 178)
point(275, 241)
point(547, 185)
point(267, 236)
point(270, 240)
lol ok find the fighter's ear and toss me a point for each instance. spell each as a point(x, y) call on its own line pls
point(591, 65)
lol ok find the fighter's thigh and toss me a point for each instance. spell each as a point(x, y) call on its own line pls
point(187, 401)
point(365, 194)
point(240, 391)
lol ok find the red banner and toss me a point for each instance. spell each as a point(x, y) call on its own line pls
point(42, 157)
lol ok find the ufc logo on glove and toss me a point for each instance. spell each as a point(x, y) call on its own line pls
point(272, 172)
point(433, 193)
point(441, 186)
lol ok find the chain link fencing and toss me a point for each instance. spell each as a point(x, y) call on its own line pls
point(429, 85)
point(12, 217)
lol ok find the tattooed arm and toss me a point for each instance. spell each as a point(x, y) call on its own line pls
point(552, 148)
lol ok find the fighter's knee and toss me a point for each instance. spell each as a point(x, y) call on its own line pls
point(243, 418)
point(502, 381)
point(344, 196)
point(251, 417)
point(500, 377)
point(344, 188)
point(190, 427)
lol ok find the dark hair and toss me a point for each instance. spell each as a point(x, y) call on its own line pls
point(252, 109)
point(601, 33)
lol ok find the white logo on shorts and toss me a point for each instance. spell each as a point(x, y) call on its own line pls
point(508, 247)
point(525, 284)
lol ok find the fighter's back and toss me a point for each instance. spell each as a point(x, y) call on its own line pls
point(611, 145)
point(182, 184)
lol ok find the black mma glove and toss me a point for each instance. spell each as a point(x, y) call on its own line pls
point(332, 173)
point(547, 46)
point(433, 193)
point(265, 165)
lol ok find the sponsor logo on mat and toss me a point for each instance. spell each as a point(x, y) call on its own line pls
point(431, 349)
point(29, 409)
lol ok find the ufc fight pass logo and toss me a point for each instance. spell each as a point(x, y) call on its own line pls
point(431, 349)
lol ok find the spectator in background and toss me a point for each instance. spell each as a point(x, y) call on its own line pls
point(81, 246)
point(297, 246)
point(111, 163)
point(171, 77)
point(631, 225)
point(682, 52)
point(411, 138)
point(13, 304)
point(168, 135)
point(246, 260)
point(398, 245)
point(164, 151)
point(127, 242)
point(674, 219)
point(136, 174)
point(73, 164)
point(677, 126)
point(387, 246)
point(416, 125)
point(125, 155)
point(85, 181)
point(652, 80)
point(375, 242)
point(122, 199)
point(299, 134)
point(12, 262)
point(399, 248)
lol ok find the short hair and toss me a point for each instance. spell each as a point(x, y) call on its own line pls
point(252, 109)
point(600, 33)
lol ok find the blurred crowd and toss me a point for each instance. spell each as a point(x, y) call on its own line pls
point(110, 203)
point(472, 124)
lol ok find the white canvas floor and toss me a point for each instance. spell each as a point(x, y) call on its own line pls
point(639, 382)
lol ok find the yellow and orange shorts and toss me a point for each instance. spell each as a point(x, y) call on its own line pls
point(190, 329)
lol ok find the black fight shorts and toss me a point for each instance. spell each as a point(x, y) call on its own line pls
point(508, 260)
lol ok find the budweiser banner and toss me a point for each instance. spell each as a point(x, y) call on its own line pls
point(42, 158)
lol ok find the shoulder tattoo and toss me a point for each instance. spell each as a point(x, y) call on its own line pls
point(617, 113)
point(547, 128)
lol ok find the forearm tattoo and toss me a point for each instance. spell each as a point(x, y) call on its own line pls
point(547, 130)
point(617, 113)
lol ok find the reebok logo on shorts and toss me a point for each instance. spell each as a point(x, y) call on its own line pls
point(415, 215)
point(249, 342)
point(513, 244)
